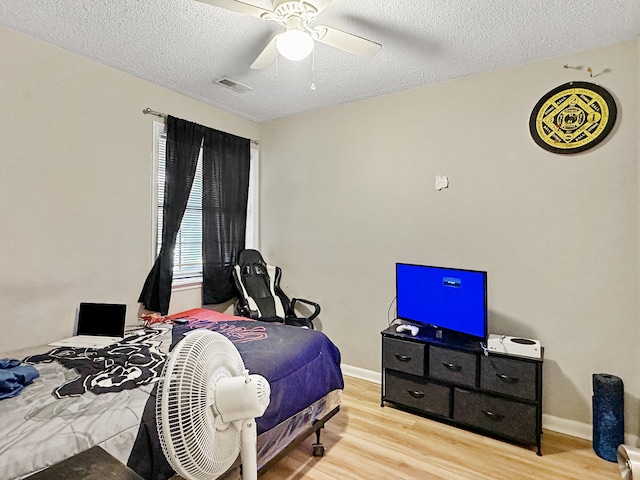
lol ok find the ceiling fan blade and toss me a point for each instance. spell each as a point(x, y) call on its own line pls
point(237, 6)
point(347, 41)
point(319, 5)
point(267, 56)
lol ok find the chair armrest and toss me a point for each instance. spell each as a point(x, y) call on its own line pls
point(308, 302)
point(243, 310)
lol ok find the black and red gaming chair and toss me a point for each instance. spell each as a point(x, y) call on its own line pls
point(260, 296)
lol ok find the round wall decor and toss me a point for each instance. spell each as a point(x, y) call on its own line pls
point(573, 117)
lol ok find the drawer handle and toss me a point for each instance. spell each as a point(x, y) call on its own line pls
point(415, 394)
point(402, 358)
point(493, 416)
point(452, 366)
point(507, 379)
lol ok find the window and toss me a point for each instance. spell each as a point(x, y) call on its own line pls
point(187, 263)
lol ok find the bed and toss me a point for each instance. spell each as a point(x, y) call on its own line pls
point(85, 398)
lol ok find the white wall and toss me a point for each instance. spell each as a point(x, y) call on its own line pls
point(348, 191)
point(75, 186)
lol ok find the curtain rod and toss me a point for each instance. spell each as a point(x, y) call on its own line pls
point(148, 111)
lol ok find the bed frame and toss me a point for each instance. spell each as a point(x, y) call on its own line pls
point(317, 448)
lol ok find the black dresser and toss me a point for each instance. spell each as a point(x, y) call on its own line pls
point(454, 381)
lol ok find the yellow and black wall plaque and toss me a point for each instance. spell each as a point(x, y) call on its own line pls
point(573, 117)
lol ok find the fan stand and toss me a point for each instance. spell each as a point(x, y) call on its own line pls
point(248, 450)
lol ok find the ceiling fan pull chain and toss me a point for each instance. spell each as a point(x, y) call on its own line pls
point(313, 70)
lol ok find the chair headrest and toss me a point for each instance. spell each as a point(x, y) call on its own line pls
point(250, 256)
point(252, 263)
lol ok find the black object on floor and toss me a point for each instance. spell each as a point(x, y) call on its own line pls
point(92, 464)
point(608, 415)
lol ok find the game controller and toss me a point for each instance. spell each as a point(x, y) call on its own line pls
point(411, 328)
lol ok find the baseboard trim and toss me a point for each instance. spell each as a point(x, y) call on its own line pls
point(549, 422)
point(567, 427)
point(362, 374)
point(578, 429)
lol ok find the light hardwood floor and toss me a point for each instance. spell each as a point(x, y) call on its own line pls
point(368, 442)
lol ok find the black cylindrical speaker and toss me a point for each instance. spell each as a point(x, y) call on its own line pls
point(608, 415)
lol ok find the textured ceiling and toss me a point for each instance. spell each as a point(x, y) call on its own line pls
point(185, 45)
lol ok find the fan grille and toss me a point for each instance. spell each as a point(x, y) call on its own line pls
point(195, 440)
point(264, 392)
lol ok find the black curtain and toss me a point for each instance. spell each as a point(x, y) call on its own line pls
point(224, 211)
point(183, 147)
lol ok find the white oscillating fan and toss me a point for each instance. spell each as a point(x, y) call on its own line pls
point(629, 462)
point(206, 407)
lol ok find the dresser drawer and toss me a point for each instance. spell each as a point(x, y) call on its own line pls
point(452, 365)
point(500, 416)
point(403, 356)
point(508, 376)
point(424, 396)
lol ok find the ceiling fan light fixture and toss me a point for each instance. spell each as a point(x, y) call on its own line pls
point(294, 44)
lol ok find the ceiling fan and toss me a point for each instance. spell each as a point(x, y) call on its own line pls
point(297, 37)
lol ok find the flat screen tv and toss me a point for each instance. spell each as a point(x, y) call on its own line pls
point(451, 299)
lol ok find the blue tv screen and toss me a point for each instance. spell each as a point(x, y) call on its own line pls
point(447, 298)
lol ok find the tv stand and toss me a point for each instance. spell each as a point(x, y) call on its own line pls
point(454, 381)
point(437, 336)
point(431, 332)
